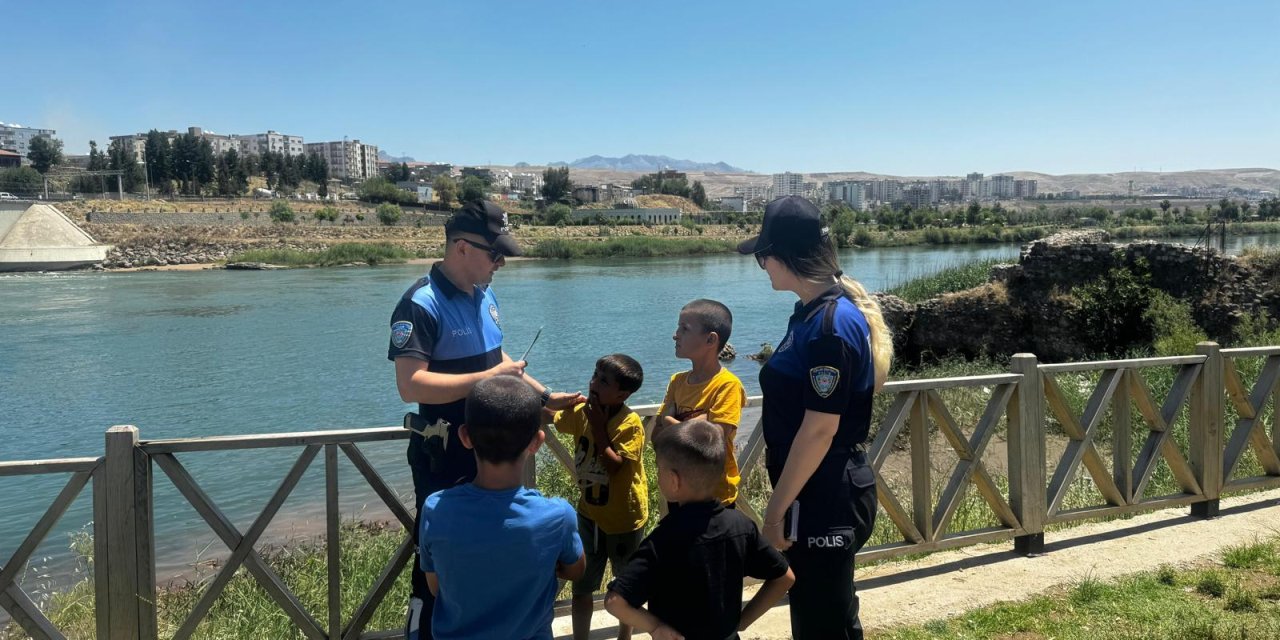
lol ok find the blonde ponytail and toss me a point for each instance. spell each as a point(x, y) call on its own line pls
point(881, 336)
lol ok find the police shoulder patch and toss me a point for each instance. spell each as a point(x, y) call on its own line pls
point(824, 380)
point(786, 342)
point(493, 313)
point(400, 332)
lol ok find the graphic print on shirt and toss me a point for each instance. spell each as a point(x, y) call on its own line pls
point(592, 477)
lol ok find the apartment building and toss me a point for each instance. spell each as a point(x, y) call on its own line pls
point(348, 159)
point(849, 192)
point(754, 192)
point(16, 137)
point(273, 142)
point(788, 184)
point(523, 182)
point(135, 143)
point(1002, 186)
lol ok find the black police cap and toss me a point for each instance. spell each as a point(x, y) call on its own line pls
point(792, 227)
point(487, 220)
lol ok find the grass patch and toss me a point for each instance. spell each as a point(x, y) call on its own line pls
point(953, 278)
point(1148, 605)
point(1211, 583)
point(629, 247)
point(345, 253)
point(1249, 556)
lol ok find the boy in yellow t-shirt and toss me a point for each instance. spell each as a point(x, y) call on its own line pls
point(708, 390)
point(608, 442)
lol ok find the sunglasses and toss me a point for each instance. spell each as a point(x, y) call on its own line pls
point(760, 258)
point(494, 254)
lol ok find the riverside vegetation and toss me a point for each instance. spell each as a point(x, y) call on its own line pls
point(244, 609)
point(551, 232)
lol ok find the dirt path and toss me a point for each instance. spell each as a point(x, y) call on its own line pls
point(947, 584)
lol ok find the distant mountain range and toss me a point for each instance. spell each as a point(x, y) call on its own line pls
point(383, 156)
point(647, 164)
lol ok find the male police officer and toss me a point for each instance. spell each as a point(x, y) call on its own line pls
point(446, 335)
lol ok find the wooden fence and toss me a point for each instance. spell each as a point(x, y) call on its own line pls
point(1029, 403)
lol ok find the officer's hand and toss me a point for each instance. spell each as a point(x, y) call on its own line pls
point(663, 632)
point(560, 401)
point(513, 368)
point(773, 533)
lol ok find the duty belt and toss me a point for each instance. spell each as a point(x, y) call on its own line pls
point(778, 457)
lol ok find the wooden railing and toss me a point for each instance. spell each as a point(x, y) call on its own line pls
point(12, 598)
point(1029, 404)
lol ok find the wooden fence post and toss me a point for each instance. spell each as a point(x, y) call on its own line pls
point(1027, 488)
point(124, 520)
point(1207, 411)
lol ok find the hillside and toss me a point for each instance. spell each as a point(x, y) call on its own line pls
point(719, 184)
point(647, 164)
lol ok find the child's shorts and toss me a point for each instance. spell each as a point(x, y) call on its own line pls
point(601, 548)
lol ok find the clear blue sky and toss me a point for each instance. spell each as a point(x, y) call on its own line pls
point(909, 88)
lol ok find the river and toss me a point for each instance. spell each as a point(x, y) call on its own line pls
point(189, 354)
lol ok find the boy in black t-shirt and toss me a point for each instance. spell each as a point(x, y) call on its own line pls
point(691, 567)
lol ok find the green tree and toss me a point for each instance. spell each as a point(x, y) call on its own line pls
point(44, 152)
point(556, 187)
point(473, 189)
point(230, 175)
point(21, 180)
point(843, 223)
point(698, 194)
point(157, 159)
point(97, 159)
point(379, 189)
point(1164, 210)
point(973, 214)
point(1228, 209)
point(121, 159)
point(399, 173)
point(557, 214)
point(281, 211)
point(388, 214)
point(446, 190)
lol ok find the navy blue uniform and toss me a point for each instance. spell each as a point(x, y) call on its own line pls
point(824, 364)
point(456, 333)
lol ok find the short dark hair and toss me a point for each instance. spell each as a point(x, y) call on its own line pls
point(503, 414)
point(624, 369)
point(695, 449)
point(713, 316)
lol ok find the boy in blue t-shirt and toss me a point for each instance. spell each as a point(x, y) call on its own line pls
point(492, 549)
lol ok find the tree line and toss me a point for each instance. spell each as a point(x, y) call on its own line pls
point(182, 164)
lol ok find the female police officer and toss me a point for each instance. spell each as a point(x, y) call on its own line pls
point(817, 408)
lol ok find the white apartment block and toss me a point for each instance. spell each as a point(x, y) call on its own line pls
point(1002, 186)
point(523, 182)
point(16, 137)
point(348, 159)
point(1025, 188)
point(261, 143)
point(754, 191)
point(788, 184)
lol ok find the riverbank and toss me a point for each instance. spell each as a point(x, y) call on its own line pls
point(186, 249)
